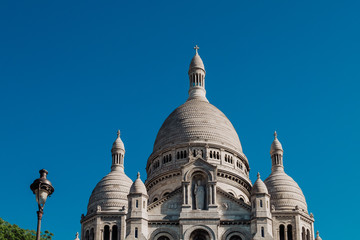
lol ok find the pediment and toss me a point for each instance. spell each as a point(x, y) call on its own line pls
point(199, 164)
point(168, 207)
point(228, 202)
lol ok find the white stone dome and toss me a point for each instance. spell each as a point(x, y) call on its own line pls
point(259, 187)
point(276, 145)
point(196, 63)
point(111, 192)
point(138, 186)
point(197, 120)
point(285, 192)
point(118, 143)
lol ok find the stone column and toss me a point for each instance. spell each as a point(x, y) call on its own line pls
point(209, 194)
point(102, 234)
point(221, 156)
point(188, 194)
point(185, 193)
point(110, 230)
point(297, 227)
point(97, 232)
point(214, 194)
point(122, 228)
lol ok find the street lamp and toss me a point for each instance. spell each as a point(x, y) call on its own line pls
point(42, 188)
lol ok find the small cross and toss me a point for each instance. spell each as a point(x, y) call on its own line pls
point(275, 134)
point(196, 48)
point(118, 133)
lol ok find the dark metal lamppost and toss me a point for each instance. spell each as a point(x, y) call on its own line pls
point(42, 188)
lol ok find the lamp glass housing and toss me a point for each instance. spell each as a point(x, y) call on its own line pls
point(41, 196)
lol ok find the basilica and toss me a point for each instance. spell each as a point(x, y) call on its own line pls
point(198, 185)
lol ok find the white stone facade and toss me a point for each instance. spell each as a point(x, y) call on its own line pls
point(197, 185)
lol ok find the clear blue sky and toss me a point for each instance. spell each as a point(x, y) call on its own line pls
point(73, 72)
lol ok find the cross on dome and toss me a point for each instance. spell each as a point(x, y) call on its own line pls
point(275, 135)
point(196, 49)
point(258, 175)
point(118, 133)
point(138, 175)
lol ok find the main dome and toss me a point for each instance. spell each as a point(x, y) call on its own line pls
point(197, 120)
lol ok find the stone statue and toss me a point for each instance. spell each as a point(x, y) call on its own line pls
point(199, 194)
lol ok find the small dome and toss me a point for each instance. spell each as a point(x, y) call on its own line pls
point(196, 61)
point(138, 186)
point(259, 186)
point(318, 236)
point(276, 145)
point(111, 192)
point(118, 144)
point(285, 192)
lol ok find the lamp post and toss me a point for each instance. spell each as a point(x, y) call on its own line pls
point(42, 188)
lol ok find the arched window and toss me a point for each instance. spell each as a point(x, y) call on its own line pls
point(106, 232)
point(289, 232)
point(170, 157)
point(163, 238)
point(87, 235)
point(114, 232)
point(231, 194)
point(307, 234)
point(303, 234)
point(235, 238)
point(262, 232)
point(282, 232)
point(242, 199)
point(194, 153)
point(178, 155)
point(211, 154)
point(155, 199)
point(137, 203)
point(261, 203)
point(199, 234)
point(144, 204)
point(218, 155)
point(136, 232)
point(92, 234)
point(185, 154)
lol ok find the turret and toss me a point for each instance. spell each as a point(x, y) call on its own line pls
point(197, 77)
point(137, 217)
point(276, 153)
point(261, 220)
point(118, 153)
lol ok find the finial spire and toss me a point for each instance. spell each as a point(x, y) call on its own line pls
point(196, 49)
point(138, 175)
point(258, 175)
point(118, 133)
point(275, 135)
